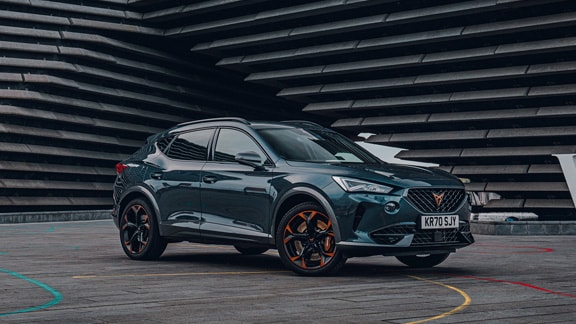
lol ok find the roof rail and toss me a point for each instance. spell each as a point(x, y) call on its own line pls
point(236, 119)
point(302, 123)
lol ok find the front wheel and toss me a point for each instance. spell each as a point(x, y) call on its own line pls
point(139, 233)
point(423, 261)
point(306, 243)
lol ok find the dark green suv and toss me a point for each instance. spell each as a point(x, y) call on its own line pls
point(307, 191)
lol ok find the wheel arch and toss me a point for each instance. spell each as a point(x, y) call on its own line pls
point(138, 192)
point(300, 195)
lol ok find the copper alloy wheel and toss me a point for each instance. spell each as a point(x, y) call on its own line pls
point(309, 240)
point(139, 233)
point(135, 229)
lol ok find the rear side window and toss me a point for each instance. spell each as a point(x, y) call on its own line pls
point(191, 146)
point(164, 142)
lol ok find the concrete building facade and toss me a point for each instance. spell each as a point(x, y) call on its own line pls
point(483, 88)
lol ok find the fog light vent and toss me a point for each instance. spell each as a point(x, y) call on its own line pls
point(358, 216)
point(391, 207)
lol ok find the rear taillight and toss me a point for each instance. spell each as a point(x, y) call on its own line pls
point(120, 167)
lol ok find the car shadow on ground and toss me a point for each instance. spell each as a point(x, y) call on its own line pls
point(263, 262)
point(236, 262)
point(352, 269)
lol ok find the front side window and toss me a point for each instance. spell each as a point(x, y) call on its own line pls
point(297, 144)
point(231, 142)
point(191, 145)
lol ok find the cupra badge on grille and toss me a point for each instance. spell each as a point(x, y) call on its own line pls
point(438, 198)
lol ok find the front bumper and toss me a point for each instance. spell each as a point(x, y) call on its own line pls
point(408, 239)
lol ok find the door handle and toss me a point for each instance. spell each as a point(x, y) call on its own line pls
point(209, 179)
point(156, 175)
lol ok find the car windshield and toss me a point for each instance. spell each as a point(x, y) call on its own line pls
point(297, 144)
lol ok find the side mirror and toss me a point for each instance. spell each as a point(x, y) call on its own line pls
point(250, 158)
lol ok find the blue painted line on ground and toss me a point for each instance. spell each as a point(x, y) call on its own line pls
point(57, 295)
point(15, 229)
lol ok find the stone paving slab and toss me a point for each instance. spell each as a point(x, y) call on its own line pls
point(76, 272)
point(53, 216)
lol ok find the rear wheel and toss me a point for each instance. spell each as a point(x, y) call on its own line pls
point(139, 233)
point(306, 243)
point(423, 261)
point(250, 250)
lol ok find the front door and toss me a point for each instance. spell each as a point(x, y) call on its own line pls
point(235, 198)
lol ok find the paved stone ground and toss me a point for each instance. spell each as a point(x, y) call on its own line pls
point(76, 272)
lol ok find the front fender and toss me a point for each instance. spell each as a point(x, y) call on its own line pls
point(313, 194)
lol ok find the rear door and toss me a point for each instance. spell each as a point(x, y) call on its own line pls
point(178, 180)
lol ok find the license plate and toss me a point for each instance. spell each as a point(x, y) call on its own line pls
point(435, 222)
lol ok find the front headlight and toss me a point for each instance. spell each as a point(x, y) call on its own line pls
point(355, 185)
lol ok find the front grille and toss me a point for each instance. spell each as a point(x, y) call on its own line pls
point(436, 200)
point(436, 236)
point(393, 234)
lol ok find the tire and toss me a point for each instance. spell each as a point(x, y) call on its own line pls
point(250, 250)
point(424, 261)
point(305, 241)
point(139, 235)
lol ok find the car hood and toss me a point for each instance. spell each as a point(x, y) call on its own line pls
point(411, 175)
point(399, 175)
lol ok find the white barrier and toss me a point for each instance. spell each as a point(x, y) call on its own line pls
point(568, 165)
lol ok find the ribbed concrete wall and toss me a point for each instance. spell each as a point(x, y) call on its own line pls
point(82, 84)
point(484, 88)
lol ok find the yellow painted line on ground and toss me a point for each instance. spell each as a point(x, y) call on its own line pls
point(176, 274)
point(467, 301)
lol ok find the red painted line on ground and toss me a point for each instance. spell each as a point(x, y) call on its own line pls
point(535, 249)
point(523, 284)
